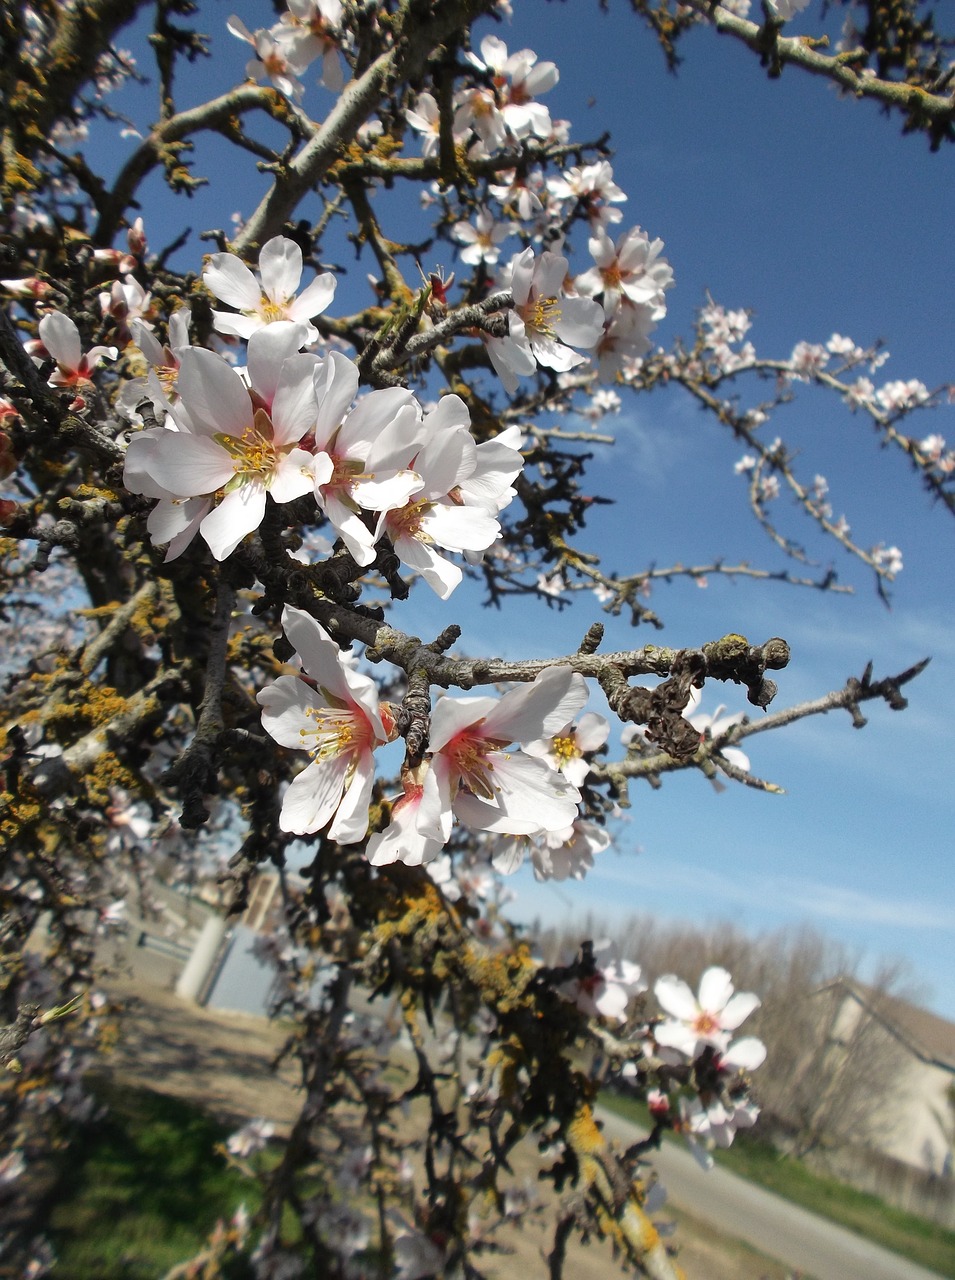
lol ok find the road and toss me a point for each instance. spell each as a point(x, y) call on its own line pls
point(782, 1230)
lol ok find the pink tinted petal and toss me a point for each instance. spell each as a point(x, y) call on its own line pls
point(313, 796)
point(238, 514)
point(61, 338)
point(676, 998)
point(280, 268)
point(528, 797)
point(401, 841)
point(434, 815)
point(231, 281)
point(452, 716)
point(97, 354)
point(716, 987)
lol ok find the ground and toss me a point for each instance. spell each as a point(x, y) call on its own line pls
point(222, 1061)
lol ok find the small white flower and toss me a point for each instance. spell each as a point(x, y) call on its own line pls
point(709, 1019)
point(332, 713)
point(258, 305)
point(250, 1139)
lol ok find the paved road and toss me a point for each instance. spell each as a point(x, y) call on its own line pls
point(792, 1235)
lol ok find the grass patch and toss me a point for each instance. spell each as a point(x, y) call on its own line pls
point(141, 1190)
point(904, 1233)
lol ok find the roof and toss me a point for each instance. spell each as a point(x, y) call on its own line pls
point(925, 1034)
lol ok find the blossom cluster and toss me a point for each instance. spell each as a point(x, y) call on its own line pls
point(291, 424)
point(469, 774)
point(698, 1072)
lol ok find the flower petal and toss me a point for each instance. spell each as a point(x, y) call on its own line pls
point(313, 796)
point(280, 267)
point(231, 281)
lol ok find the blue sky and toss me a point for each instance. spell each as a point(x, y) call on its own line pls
point(820, 217)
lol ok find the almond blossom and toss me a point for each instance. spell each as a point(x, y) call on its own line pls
point(708, 1019)
point(437, 515)
point(517, 79)
point(632, 268)
point(273, 62)
point(235, 445)
point(125, 303)
point(311, 29)
point(607, 992)
point(332, 712)
point(896, 397)
point(369, 446)
point(473, 777)
point(482, 238)
point(566, 750)
point(250, 1139)
point(159, 384)
point(59, 340)
point(591, 186)
point(713, 727)
point(555, 855)
point(261, 304)
point(402, 840)
point(544, 324)
point(425, 118)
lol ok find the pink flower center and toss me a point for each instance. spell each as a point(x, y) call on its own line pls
point(470, 764)
point(253, 452)
point(337, 732)
point(406, 521)
point(706, 1024)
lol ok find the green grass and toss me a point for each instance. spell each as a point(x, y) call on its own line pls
point(904, 1233)
point(140, 1190)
